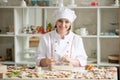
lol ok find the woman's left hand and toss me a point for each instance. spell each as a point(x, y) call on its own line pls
point(74, 62)
point(65, 59)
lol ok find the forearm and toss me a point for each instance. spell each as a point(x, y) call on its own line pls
point(46, 62)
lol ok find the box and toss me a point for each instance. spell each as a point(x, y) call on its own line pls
point(3, 71)
point(10, 54)
point(2, 75)
point(3, 68)
point(34, 41)
point(43, 2)
point(113, 59)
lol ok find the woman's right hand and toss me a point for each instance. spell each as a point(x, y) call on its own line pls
point(50, 61)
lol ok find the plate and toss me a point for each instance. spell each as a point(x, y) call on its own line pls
point(92, 60)
point(10, 33)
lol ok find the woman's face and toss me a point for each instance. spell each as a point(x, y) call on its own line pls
point(63, 25)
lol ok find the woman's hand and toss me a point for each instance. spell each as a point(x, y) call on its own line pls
point(65, 59)
point(74, 62)
point(47, 62)
point(50, 61)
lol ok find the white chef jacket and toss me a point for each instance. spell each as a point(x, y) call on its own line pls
point(51, 45)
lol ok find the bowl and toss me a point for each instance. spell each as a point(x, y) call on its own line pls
point(117, 31)
point(113, 58)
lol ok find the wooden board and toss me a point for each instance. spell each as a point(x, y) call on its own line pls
point(61, 67)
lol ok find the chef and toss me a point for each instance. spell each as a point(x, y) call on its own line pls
point(61, 44)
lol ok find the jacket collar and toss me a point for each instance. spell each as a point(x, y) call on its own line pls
point(56, 35)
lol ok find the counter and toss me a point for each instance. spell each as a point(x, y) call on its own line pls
point(81, 73)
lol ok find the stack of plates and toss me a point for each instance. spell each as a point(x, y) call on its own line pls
point(92, 60)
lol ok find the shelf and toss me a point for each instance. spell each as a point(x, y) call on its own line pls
point(110, 36)
point(105, 63)
point(89, 36)
point(26, 62)
point(7, 35)
point(28, 35)
point(49, 7)
point(7, 62)
point(108, 6)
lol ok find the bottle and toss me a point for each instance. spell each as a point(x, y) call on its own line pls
point(61, 3)
point(23, 3)
point(4, 2)
point(116, 2)
point(94, 3)
point(72, 3)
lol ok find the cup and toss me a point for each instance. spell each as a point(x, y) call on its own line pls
point(94, 3)
point(83, 31)
point(27, 55)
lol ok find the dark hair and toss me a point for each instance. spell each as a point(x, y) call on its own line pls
point(68, 29)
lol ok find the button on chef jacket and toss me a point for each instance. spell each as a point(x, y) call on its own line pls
point(51, 45)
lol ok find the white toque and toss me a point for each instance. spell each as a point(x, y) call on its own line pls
point(64, 13)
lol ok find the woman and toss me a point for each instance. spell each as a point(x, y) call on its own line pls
point(61, 44)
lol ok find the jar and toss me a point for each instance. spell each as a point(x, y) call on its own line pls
point(94, 3)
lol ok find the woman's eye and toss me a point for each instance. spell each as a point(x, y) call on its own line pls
point(60, 21)
point(66, 21)
point(63, 21)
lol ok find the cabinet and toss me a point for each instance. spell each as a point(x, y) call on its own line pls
point(100, 22)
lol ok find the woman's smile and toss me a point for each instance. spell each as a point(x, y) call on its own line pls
point(63, 25)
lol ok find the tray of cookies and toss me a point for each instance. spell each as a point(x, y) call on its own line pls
point(89, 72)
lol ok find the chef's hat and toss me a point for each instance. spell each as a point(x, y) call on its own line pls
point(64, 13)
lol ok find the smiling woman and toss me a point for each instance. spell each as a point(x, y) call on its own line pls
point(63, 26)
point(61, 44)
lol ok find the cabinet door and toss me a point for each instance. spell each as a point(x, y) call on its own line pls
point(87, 18)
point(26, 18)
point(6, 20)
point(109, 38)
point(7, 49)
point(7, 36)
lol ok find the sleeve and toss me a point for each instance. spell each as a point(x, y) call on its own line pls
point(81, 53)
point(41, 51)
